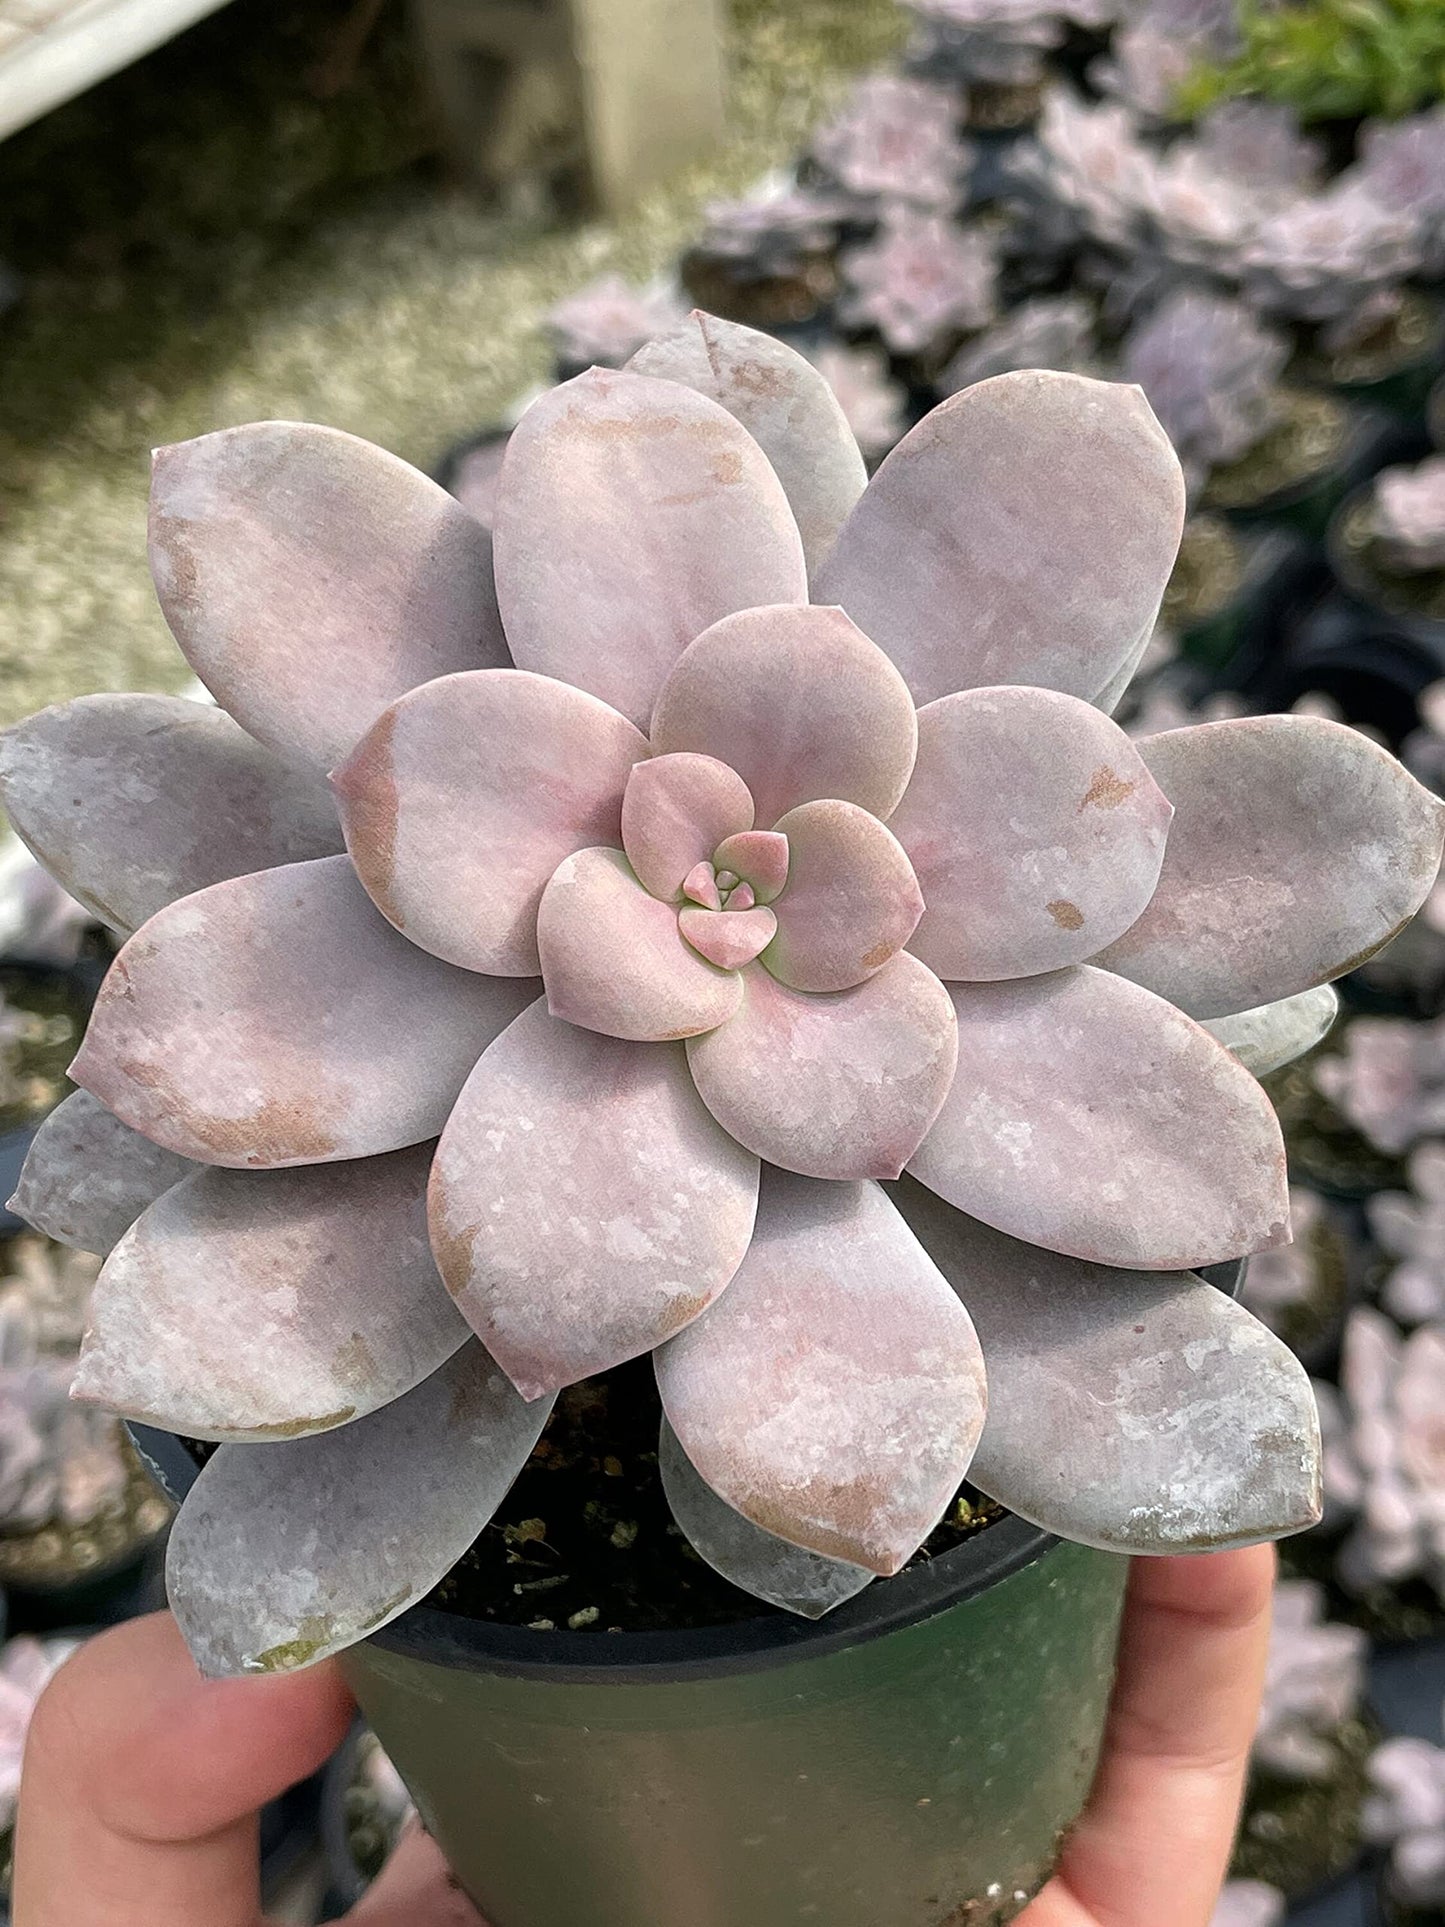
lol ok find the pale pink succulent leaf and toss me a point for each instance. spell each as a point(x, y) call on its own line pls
point(1034, 828)
point(835, 1392)
point(87, 1177)
point(760, 858)
point(1298, 848)
point(311, 579)
point(785, 404)
point(1272, 1035)
point(800, 703)
point(1108, 699)
point(278, 1019)
point(463, 798)
point(700, 886)
point(133, 801)
point(284, 1554)
point(584, 1205)
point(841, 1086)
point(1023, 532)
point(614, 959)
point(851, 900)
point(728, 938)
point(675, 813)
point(1090, 1367)
point(770, 1568)
point(1092, 1118)
point(262, 1305)
point(633, 514)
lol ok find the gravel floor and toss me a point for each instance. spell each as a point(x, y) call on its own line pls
point(214, 237)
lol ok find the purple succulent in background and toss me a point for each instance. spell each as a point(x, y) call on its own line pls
point(1409, 1226)
point(39, 922)
point(1384, 1440)
point(999, 42)
point(1312, 1685)
point(27, 1666)
point(1405, 1810)
point(874, 405)
point(1156, 47)
point(1389, 1080)
point(772, 231)
point(698, 822)
point(1209, 195)
point(1280, 1282)
point(1248, 1903)
point(1402, 164)
point(1325, 255)
point(921, 281)
point(896, 140)
point(1090, 161)
point(1049, 331)
point(605, 323)
point(1211, 372)
point(1407, 516)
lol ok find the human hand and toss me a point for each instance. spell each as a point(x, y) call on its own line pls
point(1153, 1845)
point(143, 1783)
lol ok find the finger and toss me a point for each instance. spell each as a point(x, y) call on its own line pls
point(142, 1781)
point(415, 1888)
point(1154, 1840)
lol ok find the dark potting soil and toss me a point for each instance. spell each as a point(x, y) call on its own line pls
point(585, 1538)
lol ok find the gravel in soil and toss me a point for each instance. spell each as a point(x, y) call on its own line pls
point(585, 1539)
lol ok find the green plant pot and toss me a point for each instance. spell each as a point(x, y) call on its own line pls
point(913, 1760)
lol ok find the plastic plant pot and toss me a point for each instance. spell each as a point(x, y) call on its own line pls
point(1367, 439)
point(915, 1759)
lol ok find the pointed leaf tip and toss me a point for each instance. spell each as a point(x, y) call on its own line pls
point(87, 1177)
point(272, 1304)
point(1298, 848)
point(835, 1392)
point(1093, 1118)
point(285, 1554)
point(1048, 506)
point(262, 533)
point(584, 1205)
point(1198, 1425)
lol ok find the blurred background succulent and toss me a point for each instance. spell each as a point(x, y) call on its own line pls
point(1384, 1436)
point(998, 42)
point(920, 282)
point(1407, 517)
point(1313, 1683)
point(1409, 1227)
point(1048, 331)
point(655, 739)
point(1211, 372)
point(1388, 1079)
point(894, 140)
point(1405, 1812)
point(1249, 1903)
point(604, 324)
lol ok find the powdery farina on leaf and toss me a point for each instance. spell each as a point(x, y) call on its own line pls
point(696, 804)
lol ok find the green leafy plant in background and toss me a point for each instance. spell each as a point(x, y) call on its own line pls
point(1330, 58)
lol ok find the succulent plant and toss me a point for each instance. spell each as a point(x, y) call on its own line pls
point(1326, 255)
point(1209, 195)
point(1384, 1443)
point(39, 922)
point(1249, 1903)
point(1090, 162)
point(1211, 372)
point(896, 139)
point(1049, 331)
point(1313, 1681)
point(1389, 1080)
point(1157, 44)
point(1409, 1226)
point(921, 281)
point(772, 229)
point(1402, 164)
point(1407, 516)
point(1283, 1281)
point(605, 323)
point(999, 42)
point(656, 742)
point(874, 405)
point(1405, 1810)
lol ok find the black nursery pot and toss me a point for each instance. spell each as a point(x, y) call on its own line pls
point(913, 1760)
